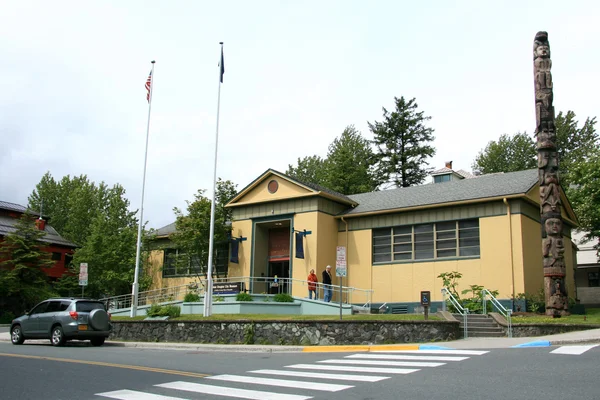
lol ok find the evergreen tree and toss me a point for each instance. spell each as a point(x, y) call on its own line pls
point(402, 142)
point(23, 282)
point(349, 165)
point(309, 169)
point(508, 154)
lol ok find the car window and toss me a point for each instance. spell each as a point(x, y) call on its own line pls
point(87, 306)
point(40, 308)
point(64, 305)
point(54, 306)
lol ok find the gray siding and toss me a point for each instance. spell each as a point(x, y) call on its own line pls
point(293, 206)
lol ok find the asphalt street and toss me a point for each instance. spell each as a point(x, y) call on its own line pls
point(80, 371)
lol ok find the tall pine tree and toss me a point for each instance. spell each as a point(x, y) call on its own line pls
point(403, 145)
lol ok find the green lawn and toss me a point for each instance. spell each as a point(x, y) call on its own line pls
point(271, 317)
point(591, 318)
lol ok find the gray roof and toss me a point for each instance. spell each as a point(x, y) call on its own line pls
point(7, 226)
point(166, 230)
point(485, 186)
point(5, 205)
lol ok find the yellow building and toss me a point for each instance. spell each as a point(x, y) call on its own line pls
point(397, 241)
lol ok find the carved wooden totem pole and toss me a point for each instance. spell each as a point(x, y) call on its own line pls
point(553, 248)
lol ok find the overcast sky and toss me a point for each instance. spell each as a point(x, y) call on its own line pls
point(72, 74)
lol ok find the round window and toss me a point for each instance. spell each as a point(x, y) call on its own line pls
point(273, 186)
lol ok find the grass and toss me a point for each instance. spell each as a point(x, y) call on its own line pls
point(274, 317)
point(592, 317)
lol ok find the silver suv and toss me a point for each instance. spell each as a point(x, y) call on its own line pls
point(63, 319)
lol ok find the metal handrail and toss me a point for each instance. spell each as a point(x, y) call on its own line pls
point(501, 309)
point(461, 310)
point(252, 284)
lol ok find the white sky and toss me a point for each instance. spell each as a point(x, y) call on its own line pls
point(72, 74)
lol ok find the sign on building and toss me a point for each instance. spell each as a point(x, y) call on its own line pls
point(340, 262)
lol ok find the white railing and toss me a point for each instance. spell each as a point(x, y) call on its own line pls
point(499, 307)
point(457, 306)
point(256, 285)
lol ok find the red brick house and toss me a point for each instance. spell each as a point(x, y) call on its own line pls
point(60, 248)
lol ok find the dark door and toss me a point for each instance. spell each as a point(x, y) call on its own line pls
point(281, 270)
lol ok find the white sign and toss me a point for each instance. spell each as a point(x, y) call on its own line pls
point(83, 274)
point(340, 261)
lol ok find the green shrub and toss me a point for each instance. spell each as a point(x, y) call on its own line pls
point(249, 330)
point(191, 297)
point(243, 297)
point(218, 299)
point(169, 310)
point(283, 298)
point(6, 317)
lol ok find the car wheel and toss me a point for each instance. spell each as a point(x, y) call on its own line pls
point(97, 341)
point(58, 337)
point(16, 335)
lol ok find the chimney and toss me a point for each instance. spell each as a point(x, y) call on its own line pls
point(449, 164)
point(40, 224)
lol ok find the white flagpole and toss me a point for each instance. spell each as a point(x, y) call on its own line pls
point(209, 282)
point(134, 294)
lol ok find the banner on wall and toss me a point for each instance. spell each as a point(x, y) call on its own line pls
point(235, 248)
point(299, 245)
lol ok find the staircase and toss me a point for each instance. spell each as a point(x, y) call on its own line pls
point(480, 326)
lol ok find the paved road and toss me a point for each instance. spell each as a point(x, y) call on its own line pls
point(80, 371)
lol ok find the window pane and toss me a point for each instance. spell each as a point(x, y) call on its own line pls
point(469, 233)
point(382, 257)
point(381, 249)
point(56, 256)
point(403, 239)
point(382, 232)
point(382, 240)
point(402, 256)
point(445, 226)
point(469, 242)
point(446, 253)
point(424, 246)
point(422, 237)
point(446, 244)
point(402, 247)
point(468, 223)
point(446, 235)
point(402, 230)
point(469, 251)
point(423, 254)
point(424, 228)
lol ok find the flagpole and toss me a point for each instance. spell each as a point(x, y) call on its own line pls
point(209, 282)
point(134, 294)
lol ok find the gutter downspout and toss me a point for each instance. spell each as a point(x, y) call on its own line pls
point(347, 250)
point(512, 263)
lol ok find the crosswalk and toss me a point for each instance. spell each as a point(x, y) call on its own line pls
point(573, 350)
point(342, 374)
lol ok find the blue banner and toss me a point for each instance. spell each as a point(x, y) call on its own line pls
point(299, 245)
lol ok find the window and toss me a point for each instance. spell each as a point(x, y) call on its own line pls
point(40, 308)
point(593, 279)
point(54, 306)
point(88, 306)
point(426, 241)
point(441, 178)
point(178, 263)
point(56, 256)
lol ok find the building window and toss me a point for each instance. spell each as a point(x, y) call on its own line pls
point(426, 241)
point(441, 178)
point(56, 256)
point(593, 279)
point(178, 263)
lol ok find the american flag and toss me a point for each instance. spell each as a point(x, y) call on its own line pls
point(149, 85)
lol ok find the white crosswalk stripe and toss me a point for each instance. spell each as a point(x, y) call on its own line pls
point(328, 387)
point(405, 357)
point(573, 350)
point(413, 364)
point(360, 367)
point(231, 392)
point(317, 375)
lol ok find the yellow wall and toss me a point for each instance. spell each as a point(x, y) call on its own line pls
point(261, 193)
point(154, 268)
point(243, 229)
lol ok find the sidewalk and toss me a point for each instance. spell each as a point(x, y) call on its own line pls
point(587, 336)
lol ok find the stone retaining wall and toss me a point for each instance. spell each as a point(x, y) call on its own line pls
point(532, 330)
point(286, 332)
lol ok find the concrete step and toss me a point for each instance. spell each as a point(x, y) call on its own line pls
point(486, 334)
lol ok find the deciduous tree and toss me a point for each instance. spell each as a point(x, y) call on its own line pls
point(508, 154)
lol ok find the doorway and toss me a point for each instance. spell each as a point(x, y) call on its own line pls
point(281, 270)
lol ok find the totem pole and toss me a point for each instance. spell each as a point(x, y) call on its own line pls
point(553, 248)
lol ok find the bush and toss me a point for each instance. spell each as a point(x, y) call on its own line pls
point(191, 297)
point(243, 297)
point(6, 317)
point(169, 310)
point(283, 298)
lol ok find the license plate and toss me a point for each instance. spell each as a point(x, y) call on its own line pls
point(83, 327)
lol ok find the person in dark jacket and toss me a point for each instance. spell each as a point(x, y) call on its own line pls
point(327, 288)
